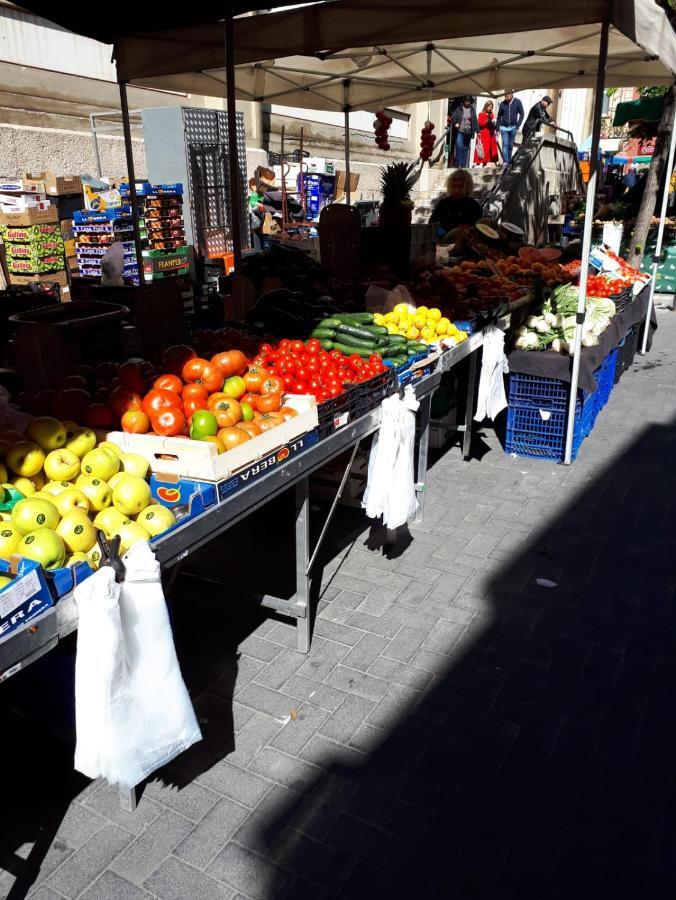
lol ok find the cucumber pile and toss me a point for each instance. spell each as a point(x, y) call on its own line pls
point(355, 333)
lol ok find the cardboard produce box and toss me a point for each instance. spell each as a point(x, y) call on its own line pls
point(201, 461)
point(56, 184)
point(25, 185)
point(57, 277)
point(30, 217)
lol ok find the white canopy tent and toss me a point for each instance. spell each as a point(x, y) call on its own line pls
point(363, 54)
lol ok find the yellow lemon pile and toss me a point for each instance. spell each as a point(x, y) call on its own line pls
point(421, 324)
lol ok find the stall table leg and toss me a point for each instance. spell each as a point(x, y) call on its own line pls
point(469, 406)
point(423, 446)
point(128, 798)
point(303, 623)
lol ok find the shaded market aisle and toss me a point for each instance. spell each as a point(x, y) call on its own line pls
point(457, 730)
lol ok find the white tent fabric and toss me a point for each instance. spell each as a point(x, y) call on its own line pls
point(398, 52)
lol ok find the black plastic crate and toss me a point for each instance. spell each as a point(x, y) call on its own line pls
point(371, 393)
point(622, 300)
point(626, 351)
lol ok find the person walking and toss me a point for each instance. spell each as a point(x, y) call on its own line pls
point(486, 150)
point(465, 126)
point(537, 117)
point(510, 117)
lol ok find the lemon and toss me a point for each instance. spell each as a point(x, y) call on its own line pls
point(460, 336)
point(443, 326)
point(419, 321)
point(434, 314)
point(390, 317)
point(392, 328)
point(378, 318)
point(402, 330)
point(412, 334)
point(422, 311)
point(401, 309)
point(428, 333)
point(452, 330)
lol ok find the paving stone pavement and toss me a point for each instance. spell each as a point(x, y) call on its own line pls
point(456, 731)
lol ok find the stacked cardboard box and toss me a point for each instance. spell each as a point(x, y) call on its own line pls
point(34, 247)
point(96, 232)
point(162, 229)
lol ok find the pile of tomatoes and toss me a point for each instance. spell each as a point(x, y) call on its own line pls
point(602, 286)
point(304, 368)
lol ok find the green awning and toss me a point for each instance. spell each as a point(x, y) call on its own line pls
point(647, 109)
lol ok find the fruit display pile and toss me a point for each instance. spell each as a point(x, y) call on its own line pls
point(428, 326)
point(59, 485)
point(366, 335)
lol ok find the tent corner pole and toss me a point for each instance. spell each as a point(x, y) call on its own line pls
point(660, 233)
point(95, 144)
point(587, 235)
point(131, 175)
point(233, 156)
point(346, 110)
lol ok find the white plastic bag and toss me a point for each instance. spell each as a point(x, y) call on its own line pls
point(390, 491)
point(491, 398)
point(133, 713)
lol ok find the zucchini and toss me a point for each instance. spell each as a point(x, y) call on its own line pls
point(349, 349)
point(326, 343)
point(329, 323)
point(354, 331)
point(324, 333)
point(364, 318)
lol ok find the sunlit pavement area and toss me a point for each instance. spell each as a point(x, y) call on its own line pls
point(456, 731)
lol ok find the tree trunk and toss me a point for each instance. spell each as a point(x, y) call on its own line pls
point(654, 179)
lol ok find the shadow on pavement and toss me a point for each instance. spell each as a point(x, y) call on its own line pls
point(541, 762)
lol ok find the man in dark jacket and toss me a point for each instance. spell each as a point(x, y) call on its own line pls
point(465, 126)
point(537, 117)
point(510, 117)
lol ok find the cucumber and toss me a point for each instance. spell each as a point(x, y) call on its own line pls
point(397, 339)
point(354, 342)
point(381, 341)
point(400, 360)
point(365, 318)
point(329, 323)
point(354, 331)
point(326, 343)
point(376, 329)
point(324, 333)
point(418, 348)
point(392, 352)
point(349, 349)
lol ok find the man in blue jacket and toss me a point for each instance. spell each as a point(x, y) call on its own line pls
point(510, 117)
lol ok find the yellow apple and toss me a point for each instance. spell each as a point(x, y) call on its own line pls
point(80, 441)
point(44, 546)
point(77, 531)
point(130, 533)
point(156, 519)
point(110, 447)
point(25, 486)
point(27, 515)
point(70, 500)
point(98, 492)
point(131, 495)
point(101, 464)
point(108, 519)
point(48, 432)
point(134, 464)
point(62, 465)
point(57, 487)
point(25, 458)
point(94, 556)
point(117, 477)
point(4, 581)
point(76, 558)
point(10, 538)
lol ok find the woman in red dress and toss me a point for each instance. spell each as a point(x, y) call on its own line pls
point(486, 138)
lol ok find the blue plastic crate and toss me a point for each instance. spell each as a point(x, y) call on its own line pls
point(605, 378)
point(536, 392)
point(541, 433)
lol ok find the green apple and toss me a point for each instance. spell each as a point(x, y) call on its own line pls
point(156, 519)
point(203, 424)
point(70, 500)
point(247, 412)
point(108, 519)
point(44, 546)
point(76, 558)
point(100, 463)
point(27, 515)
point(94, 556)
point(98, 492)
point(4, 581)
point(25, 458)
point(110, 447)
point(81, 441)
point(234, 387)
point(117, 477)
point(135, 464)
point(10, 538)
point(56, 487)
point(48, 432)
point(131, 495)
point(62, 465)
point(77, 531)
point(130, 533)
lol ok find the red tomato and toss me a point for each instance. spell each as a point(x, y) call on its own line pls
point(233, 437)
point(194, 392)
point(227, 411)
point(157, 400)
point(272, 385)
point(270, 403)
point(169, 422)
point(192, 404)
point(169, 383)
point(249, 398)
point(284, 344)
point(254, 379)
point(264, 349)
point(289, 382)
point(199, 371)
point(313, 346)
point(230, 362)
point(135, 421)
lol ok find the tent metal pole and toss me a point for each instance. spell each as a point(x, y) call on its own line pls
point(131, 175)
point(233, 157)
point(660, 232)
point(586, 240)
point(346, 109)
point(95, 143)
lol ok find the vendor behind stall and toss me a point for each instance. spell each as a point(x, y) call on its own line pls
point(458, 207)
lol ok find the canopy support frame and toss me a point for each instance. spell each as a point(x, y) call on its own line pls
point(660, 232)
point(131, 175)
point(587, 235)
point(346, 110)
point(233, 155)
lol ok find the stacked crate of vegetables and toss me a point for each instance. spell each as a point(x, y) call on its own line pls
point(357, 333)
point(33, 249)
point(554, 328)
